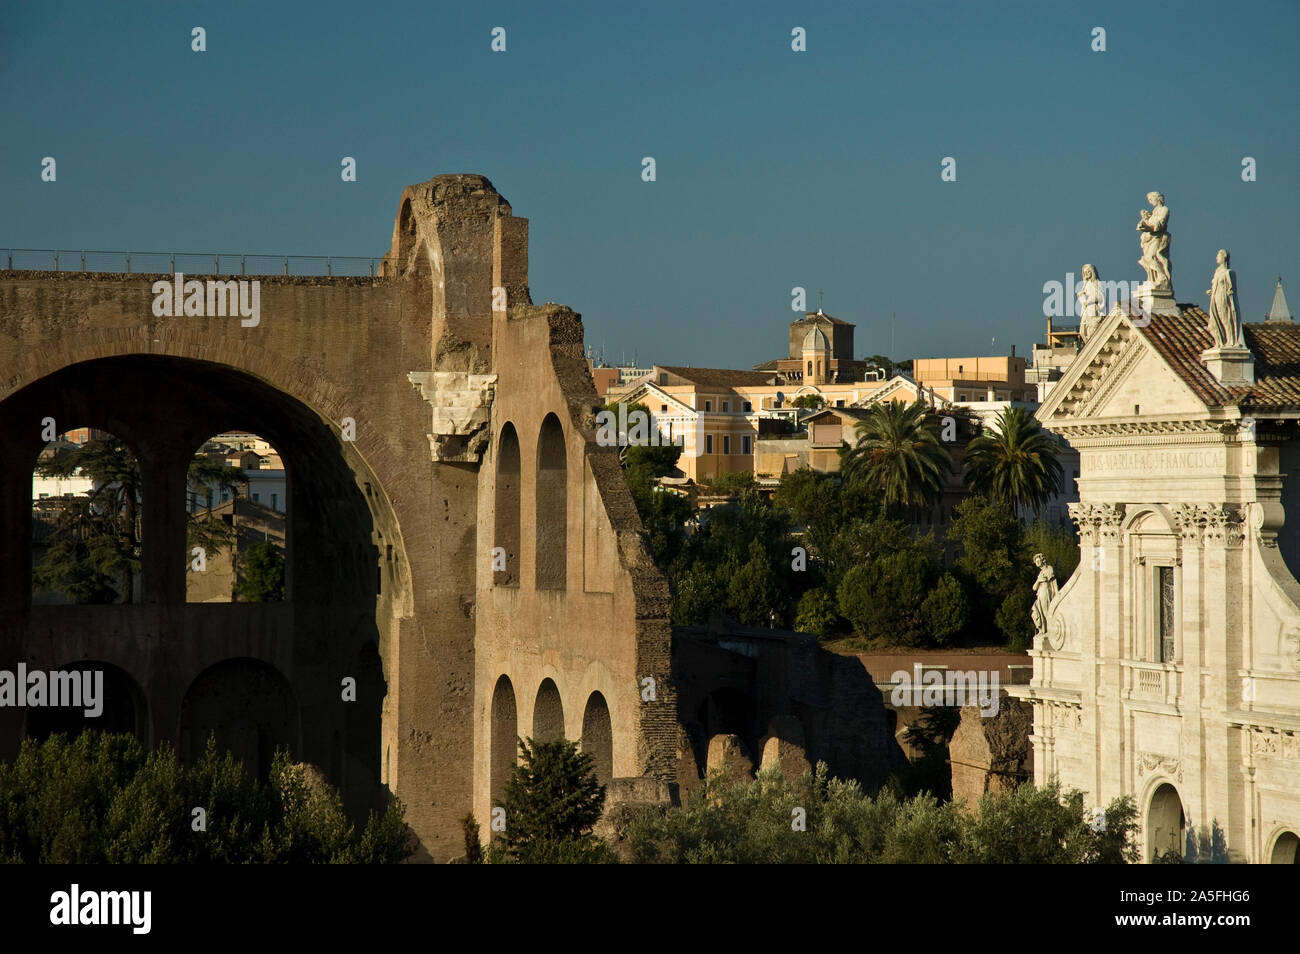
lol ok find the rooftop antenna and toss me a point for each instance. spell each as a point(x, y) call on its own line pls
point(892, 315)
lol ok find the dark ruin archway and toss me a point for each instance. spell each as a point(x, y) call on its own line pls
point(548, 713)
point(505, 737)
point(247, 706)
point(347, 576)
point(123, 707)
point(598, 737)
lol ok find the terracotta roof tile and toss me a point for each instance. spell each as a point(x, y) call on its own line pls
point(1180, 339)
point(719, 377)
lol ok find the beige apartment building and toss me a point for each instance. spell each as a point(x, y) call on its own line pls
point(975, 380)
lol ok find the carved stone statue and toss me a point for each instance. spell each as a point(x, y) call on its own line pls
point(1155, 244)
point(1225, 317)
point(1092, 302)
point(1044, 593)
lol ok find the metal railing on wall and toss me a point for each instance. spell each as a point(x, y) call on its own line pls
point(191, 263)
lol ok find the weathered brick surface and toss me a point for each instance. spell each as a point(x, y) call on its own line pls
point(390, 550)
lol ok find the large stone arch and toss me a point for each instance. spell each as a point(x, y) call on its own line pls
point(248, 706)
point(504, 743)
point(548, 713)
point(1165, 821)
point(348, 577)
point(1285, 850)
point(507, 507)
point(598, 737)
point(122, 702)
point(552, 484)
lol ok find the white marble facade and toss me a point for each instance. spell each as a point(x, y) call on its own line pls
point(1170, 670)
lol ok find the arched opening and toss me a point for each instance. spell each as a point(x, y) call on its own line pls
point(505, 560)
point(726, 711)
point(505, 736)
point(236, 521)
point(1166, 823)
point(551, 510)
point(248, 706)
point(347, 577)
point(87, 520)
point(548, 713)
point(91, 686)
point(598, 737)
point(1286, 850)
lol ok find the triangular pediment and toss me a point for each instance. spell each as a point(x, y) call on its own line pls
point(1118, 374)
point(648, 393)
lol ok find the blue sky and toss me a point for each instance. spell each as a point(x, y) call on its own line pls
point(775, 169)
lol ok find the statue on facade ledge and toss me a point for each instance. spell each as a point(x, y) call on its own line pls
point(1155, 244)
point(1225, 317)
point(1092, 302)
point(1044, 593)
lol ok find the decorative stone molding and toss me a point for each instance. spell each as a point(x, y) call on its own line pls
point(462, 408)
point(1128, 429)
point(1148, 762)
point(1272, 744)
point(1098, 523)
point(1211, 524)
point(1056, 641)
point(1065, 716)
point(1119, 367)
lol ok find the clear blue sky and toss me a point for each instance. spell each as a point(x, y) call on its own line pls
point(775, 168)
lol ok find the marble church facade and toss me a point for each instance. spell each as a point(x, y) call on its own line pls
point(1169, 665)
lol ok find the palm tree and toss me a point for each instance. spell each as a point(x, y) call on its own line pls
point(898, 452)
point(1015, 465)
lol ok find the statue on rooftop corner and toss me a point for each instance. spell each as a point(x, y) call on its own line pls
point(1044, 593)
point(1092, 302)
point(1225, 317)
point(1155, 244)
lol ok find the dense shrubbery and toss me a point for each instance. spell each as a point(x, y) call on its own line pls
point(760, 821)
point(861, 570)
point(102, 798)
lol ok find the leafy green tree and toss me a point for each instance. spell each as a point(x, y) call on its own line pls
point(1032, 825)
point(82, 559)
point(552, 801)
point(1015, 462)
point(732, 482)
point(698, 593)
point(898, 451)
point(754, 593)
point(992, 557)
point(816, 613)
point(663, 514)
point(945, 610)
point(811, 402)
point(262, 574)
point(883, 598)
point(1058, 545)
